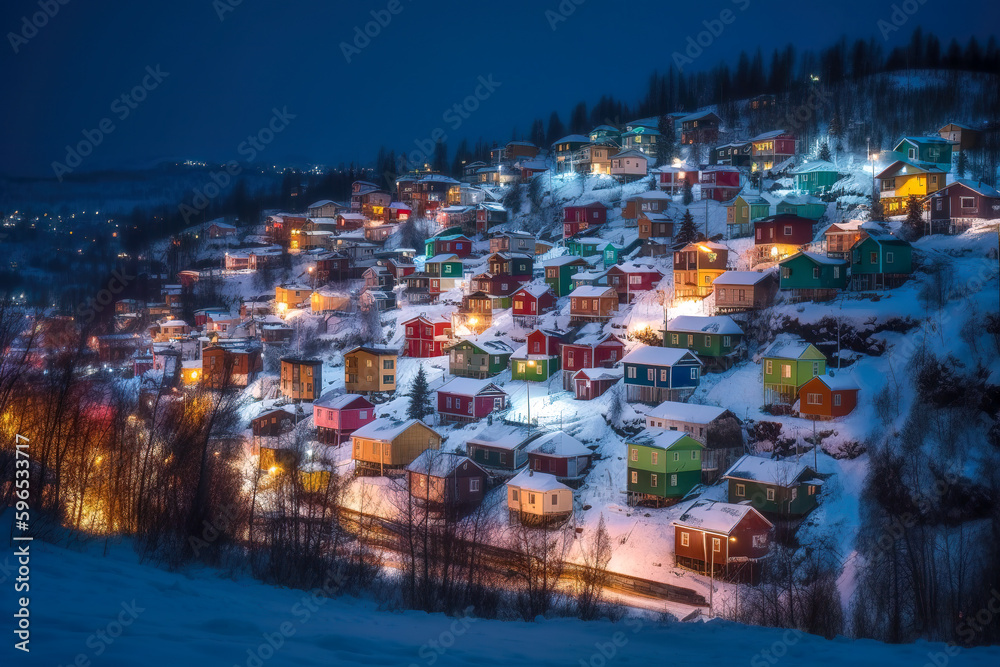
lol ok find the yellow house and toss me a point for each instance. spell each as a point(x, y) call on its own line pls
point(902, 179)
point(290, 296)
point(387, 444)
point(538, 498)
point(323, 301)
point(191, 372)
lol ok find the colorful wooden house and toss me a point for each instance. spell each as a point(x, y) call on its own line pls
point(275, 422)
point(957, 205)
point(828, 396)
point(223, 367)
point(564, 151)
point(378, 278)
point(840, 237)
point(532, 301)
point(290, 296)
point(444, 244)
point(580, 217)
point(426, 336)
point(390, 445)
point(674, 180)
point(721, 182)
point(632, 278)
point(716, 428)
point(589, 383)
point(657, 374)
point(721, 539)
point(701, 127)
point(655, 226)
point(903, 178)
point(805, 206)
point(446, 479)
point(479, 357)
point(519, 242)
point(490, 214)
point(301, 379)
point(743, 211)
point(501, 446)
point(337, 417)
point(538, 499)
point(369, 369)
point(378, 300)
point(880, 261)
point(445, 272)
point(776, 488)
point(642, 139)
point(603, 133)
point(809, 275)
point(735, 154)
point(560, 454)
point(696, 266)
point(538, 359)
point(933, 150)
point(816, 177)
point(630, 165)
point(717, 339)
point(788, 364)
point(559, 272)
point(475, 315)
point(770, 149)
point(468, 399)
point(515, 265)
point(653, 201)
point(592, 348)
point(782, 235)
point(663, 466)
point(962, 137)
point(740, 291)
point(592, 304)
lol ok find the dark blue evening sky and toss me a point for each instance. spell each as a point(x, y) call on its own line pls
point(225, 76)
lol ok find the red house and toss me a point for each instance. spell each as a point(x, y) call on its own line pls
point(400, 268)
point(469, 399)
point(531, 301)
point(826, 397)
point(455, 244)
point(544, 341)
point(723, 537)
point(559, 454)
point(589, 383)
point(955, 206)
point(583, 216)
point(783, 229)
point(720, 183)
point(337, 417)
point(632, 277)
point(334, 267)
point(426, 337)
point(593, 349)
point(674, 179)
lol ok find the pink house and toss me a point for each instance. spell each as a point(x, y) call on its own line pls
point(468, 399)
point(336, 418)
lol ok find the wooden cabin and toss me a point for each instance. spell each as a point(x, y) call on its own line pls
point(880, 261)
point(469, 399)
point(580, 217)
point(225, 367)
point(721, 183)
point(369, 369)
point(826, 396)
point(593, 304)
point(538, 359)
point(592, 348)
point(840, 237)
point(537, 498)
point(275, 422)
point(501, 446)
point(446, 479)
point(336, 418)
point(632, 278)
point(663, 466)
point(903, 178)
point(716, 428)
point(788, 364)
point(772, 148)
point(696, 266)
point(812, 276)
point(426, 336)
point(722, 539)
point(957, 205)
point(589, 383)
point(560, 454)
point(531, 301)
point(559, 272)
point(773, 487)
point(740, 291)
point(781, 235)
point(962, 137)
point(301, 379)
point(716, 339)
point(657, 374)
point(390, 445)
point(816, 177)
point(479, 356)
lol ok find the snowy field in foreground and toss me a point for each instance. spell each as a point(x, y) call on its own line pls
point(197, 618)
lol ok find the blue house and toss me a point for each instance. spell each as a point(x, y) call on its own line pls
point(657, 374)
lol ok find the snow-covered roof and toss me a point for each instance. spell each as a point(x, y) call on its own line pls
point(651, 194)
point(601, 373)
point(352, 216)
point(561, 260)
point(438, 464)
point(659, 356)
point(637, 267)
point(578, 138)
point(786, 346)
point(503, 436)
point(438, 178)
point(697, 116)
point(491, 345)
point(174, 323)
point(686, 412)
point(658, 437)
point(768, 471)
point(339, 402)
point(740, 278)
point(815, 165)
point(632, 152)
point(975, 186)
point(715, 517)
point(558, 443)
point(385, 428)
point(443, 257)
point(592, 291)
point(535, 289)
point(720, 324)
point(469, 386)
point(764, 136)
point(925, 140)
point(537, 481)
point(838, 382)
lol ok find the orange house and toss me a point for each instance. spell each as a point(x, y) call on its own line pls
point(826, 396)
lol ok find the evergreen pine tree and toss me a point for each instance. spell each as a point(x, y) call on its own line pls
point(688, 196)
point(914, 217)
point(688, 232)
point(824, 152)
point(877, 210)
point(420, 397)
point(961, 168)
point(665, 144)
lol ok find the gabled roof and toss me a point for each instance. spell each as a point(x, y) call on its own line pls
point(436, 463)
point(659, 356)
point(923, 140)
point(342, 401)
point(371, 349)
point(558, 443)
point(976, 186)
point(838, 382)
point(698, 115)
point(632, 153)
point(768, 471)
point(537, 481)
point(591, 291)
point(563, 260)
point(535, 289)
point(786, 346)
point(686, 412)
point(577, 138)
point(741, 278)
point(715, 517)
point(718, 324)
point(504, 436)
point(815, 165)
point(635, 267)
point(764, 136)
point(443, 257)
point(385, 428)
point(816, 258)
point(470, 387)
point(589, 204)
point(600, 373)
point(659, 438)
point(497, 346)
point(912, 166)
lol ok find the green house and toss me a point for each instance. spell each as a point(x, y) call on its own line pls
point(788, 364)
point(812, 275)
point(815, 178)
point(742, 211)
point(772, 486)
point(446, 265)
point(935, 150)
point(715, 338)
point(805, 206)
point(559, 272)
point(880, 260)
point(478, 357)
point(538, 359)
point(662, 465)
